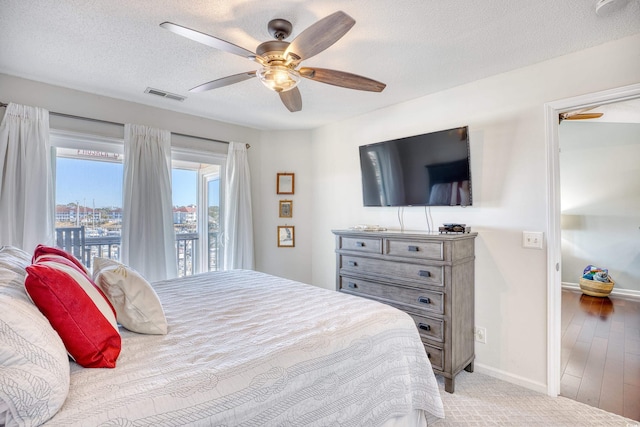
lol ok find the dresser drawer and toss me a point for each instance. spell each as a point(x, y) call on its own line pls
point(435, 355)
point(429, 327)
point(421, 250)
point(416, 273)
point(361, 244)
point(419, 299)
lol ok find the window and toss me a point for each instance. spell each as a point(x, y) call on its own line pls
point(88, 183)
point(196, 215)
point(88, 189)
point(210, 178)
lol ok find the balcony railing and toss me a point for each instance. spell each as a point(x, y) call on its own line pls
point(186, 250)
point(103, 247)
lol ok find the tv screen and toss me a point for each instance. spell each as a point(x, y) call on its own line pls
point(431, 169)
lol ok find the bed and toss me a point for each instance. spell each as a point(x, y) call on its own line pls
point(244, 348)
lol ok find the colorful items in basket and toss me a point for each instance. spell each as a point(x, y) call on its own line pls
point(595, 273)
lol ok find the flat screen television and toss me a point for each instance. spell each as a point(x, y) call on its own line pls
point(432, 169)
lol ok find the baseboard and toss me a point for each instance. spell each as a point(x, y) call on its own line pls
point(620, 292)
point(534, 385)
point(511, 378)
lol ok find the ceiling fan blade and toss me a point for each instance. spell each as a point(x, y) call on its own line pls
point(208, 40)
point(580, 114)
point(320, 36)
point(577, 115)
point(291, 99)
point(342, 79)
point(225, 81)
point(584, 116)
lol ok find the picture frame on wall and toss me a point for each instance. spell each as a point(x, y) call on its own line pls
point(285, 183)
point(286, 209)
point(286, 236)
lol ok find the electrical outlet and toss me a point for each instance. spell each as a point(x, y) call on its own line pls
point(480, 334)
point(532, 239)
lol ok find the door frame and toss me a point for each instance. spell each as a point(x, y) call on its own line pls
point(214, 170)
point(554, 249)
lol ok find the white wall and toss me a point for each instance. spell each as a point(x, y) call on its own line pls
point(508, 156)
point(286, 151)
point(73, 102)
point(600, 184)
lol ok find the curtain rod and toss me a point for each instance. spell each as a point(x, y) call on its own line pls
point(71, 116)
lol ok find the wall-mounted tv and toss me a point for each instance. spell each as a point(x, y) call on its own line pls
point(432, 169)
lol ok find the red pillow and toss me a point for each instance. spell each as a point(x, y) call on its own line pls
point(43, 250)
point(76, 308)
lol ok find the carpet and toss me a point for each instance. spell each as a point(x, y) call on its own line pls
point(481, 400)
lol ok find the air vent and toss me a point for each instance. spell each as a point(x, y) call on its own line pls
point(164, 94)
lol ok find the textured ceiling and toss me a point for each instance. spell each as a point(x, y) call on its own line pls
point(116, 48)
point(617, 112)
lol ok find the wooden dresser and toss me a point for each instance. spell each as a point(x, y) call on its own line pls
point(428, 275)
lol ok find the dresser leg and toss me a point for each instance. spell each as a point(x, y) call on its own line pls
point(449, 385)
point(469, 367)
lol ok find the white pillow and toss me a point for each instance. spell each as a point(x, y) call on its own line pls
point(35, 368)
point(13, 262)
point(137, 305)
point(14, 259)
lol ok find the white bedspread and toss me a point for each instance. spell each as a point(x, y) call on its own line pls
point(249, 349)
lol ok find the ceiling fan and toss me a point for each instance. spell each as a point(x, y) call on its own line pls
point(279, 60)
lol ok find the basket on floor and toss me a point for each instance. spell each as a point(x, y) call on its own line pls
point(595, 288)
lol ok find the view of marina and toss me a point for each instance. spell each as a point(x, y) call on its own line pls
point(89, 199)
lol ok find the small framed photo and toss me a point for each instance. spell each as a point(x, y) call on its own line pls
point(286, 209)
point(284, 183)
point(286, 236)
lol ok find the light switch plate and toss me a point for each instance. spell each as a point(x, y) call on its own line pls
point(532, 239)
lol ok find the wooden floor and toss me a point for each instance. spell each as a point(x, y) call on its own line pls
point(601, 352)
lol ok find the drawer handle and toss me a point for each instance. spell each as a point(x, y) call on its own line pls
point(360, 244)
point(424, 300)
point(424, 273)
point(352, 285)
point(353, 263)
point(424, 327)
point(413, 249)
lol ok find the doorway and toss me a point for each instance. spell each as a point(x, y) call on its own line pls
point(554, 278)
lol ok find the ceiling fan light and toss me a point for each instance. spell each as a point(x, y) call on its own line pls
point(278, 78)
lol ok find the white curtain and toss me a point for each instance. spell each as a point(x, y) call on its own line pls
point(26, 178)
point(148, 239)
point(238, 221)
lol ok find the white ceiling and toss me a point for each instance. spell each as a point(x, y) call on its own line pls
point(618, 112)
point(417, 47)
